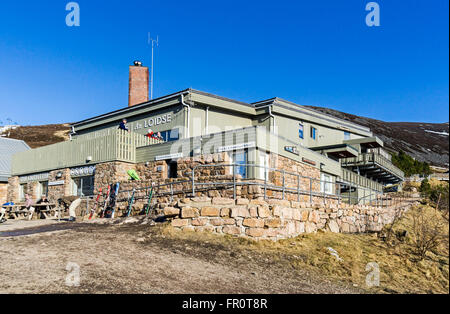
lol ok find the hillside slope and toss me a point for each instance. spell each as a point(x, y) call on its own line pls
point(38, 136)
point(424, 141)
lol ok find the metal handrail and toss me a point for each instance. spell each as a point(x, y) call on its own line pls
point(236, 181)
point(380, 199)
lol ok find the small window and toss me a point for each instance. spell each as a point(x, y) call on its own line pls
point(301, 131)
point(326, 184)
point(43, 189)
point(313, 133)
point(240, 159)
point(172, 169)
point(22, 189)
point(171, 135)
point(83, 186)
point(263, 172)
point(346, 136)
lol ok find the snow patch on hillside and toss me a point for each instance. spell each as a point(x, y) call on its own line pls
point(6, 128)
point(439, 133)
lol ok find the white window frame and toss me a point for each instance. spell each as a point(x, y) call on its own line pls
point(263, 161)
point(22, 192)
point(326, 184)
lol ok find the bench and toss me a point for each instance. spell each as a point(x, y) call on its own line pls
point(16, 211)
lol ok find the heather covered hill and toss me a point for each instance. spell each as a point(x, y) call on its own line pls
point(38, 136)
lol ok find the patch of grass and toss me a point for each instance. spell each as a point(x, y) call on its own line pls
point(400, 270)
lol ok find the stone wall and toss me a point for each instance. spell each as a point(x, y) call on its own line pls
point(13, 189)
point(57, 191)
point(274, 219)
point(109, 173)
point(156, 172)
point(3, 193)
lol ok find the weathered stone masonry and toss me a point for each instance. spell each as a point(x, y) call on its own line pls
point(274, 219)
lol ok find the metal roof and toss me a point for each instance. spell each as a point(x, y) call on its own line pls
point(9, 147)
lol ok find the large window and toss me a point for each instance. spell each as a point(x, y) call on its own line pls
point(83, 186)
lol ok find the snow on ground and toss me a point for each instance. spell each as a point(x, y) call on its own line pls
point(439, 133)
point(5, 128)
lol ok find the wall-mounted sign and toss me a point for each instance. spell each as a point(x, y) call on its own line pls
point(231, 148)
point(312, 163)
point(168, 157)
point(82, 172)
point(292, 149)
point(56, 183)
point(152, 122)
point(34, 177)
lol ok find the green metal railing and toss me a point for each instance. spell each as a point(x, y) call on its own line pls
point(354, 178)
point(375, 159)
point(116, 145)
point(285, 184)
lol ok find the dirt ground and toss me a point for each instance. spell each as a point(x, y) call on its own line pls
point(142, 259)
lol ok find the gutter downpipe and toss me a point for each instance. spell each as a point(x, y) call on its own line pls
point(270, 116)
point(207, 121)
point(188, 115)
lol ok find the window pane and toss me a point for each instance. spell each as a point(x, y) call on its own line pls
point(164, 136)
point(263, 162)
point(87, 186)
point(326, 184)
point(43, 189)
point(75, 186)
point(300, 131)
point(313, 133)
point(240, 158)
point(174, 135)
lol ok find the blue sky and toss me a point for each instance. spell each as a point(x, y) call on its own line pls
point(309, 52)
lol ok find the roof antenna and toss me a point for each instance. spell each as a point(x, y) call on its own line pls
point(152, 42)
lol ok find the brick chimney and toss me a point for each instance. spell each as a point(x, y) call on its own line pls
point(138, 89)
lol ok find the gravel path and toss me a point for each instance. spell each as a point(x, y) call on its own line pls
point(134, 259)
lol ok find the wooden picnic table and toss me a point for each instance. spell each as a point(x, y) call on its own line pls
point(40, 209)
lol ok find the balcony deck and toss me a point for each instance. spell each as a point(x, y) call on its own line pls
point(358, 180)
point(375, 167)
point(115, 145)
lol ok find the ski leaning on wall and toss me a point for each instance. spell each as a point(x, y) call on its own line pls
point(105, 205)
point(112, 205)
point(150, 197)
point(130, 203)
point(94, 209)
